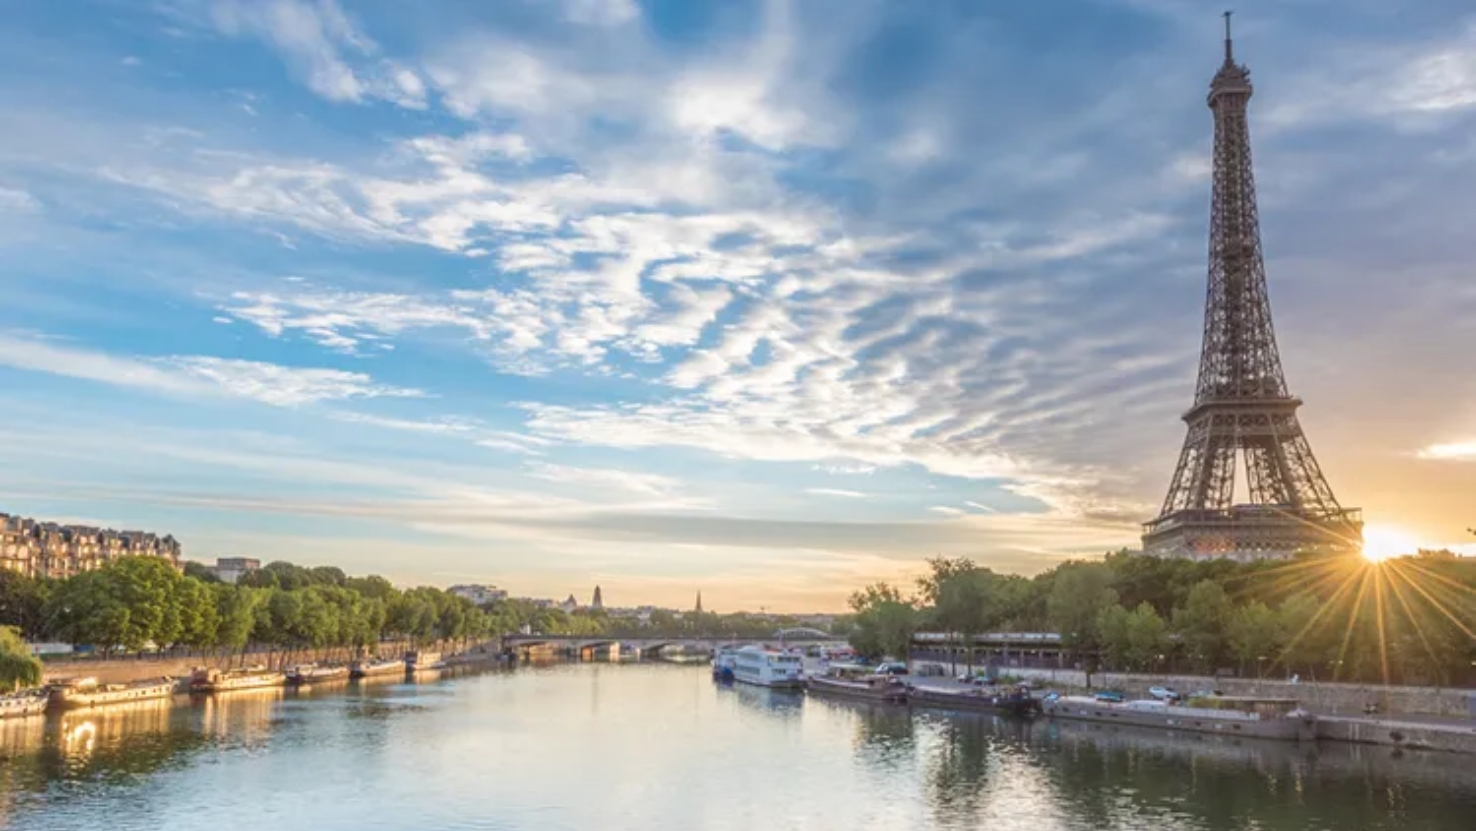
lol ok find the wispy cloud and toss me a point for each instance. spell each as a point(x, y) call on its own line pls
point(281, 386)
point(836, 492)
point(321, 43)
point(1458, 451)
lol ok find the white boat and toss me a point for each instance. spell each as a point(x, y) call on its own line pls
point(765, 668)
point(723, 662)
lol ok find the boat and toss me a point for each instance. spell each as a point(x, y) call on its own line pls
point(376, 666)
point(418, 661)
point(303, 674)
point(24, 703)
point(722, 664)
point(1261, 718)
point(80, 693)
point(211, 680)
point(1014, 702)
point(884, 688)
point(766, 668)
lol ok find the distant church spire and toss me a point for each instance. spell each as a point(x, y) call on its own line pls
point(699, 602)
point(598, 601)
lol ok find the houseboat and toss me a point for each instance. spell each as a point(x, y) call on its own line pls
point(304, 674)
point(210, 680)
point(23, 703)
point(1260, 718)
point(418, 661)
point(887, 689)
point(1010, 702)
point(376, 666)
point(81, 693)
point(765, 668)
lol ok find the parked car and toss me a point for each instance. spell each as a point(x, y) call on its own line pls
point(1163, 693)
point(1110, 696)
point(891, 668)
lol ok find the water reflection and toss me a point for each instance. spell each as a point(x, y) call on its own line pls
point(662, 748)
point(787, 703)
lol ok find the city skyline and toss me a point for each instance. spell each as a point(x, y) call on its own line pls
point(762, 298)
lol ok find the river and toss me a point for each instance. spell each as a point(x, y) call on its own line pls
point(592, 746)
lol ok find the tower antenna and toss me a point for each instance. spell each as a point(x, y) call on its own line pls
point(1229, 55)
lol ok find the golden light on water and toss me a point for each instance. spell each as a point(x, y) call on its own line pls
point(1380, 542)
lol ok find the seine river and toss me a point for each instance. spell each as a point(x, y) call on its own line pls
point(595, 746)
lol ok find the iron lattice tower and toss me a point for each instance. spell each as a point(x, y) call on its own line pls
point(1241, 404)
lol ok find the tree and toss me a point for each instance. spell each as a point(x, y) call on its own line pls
point(964, 600)
point(1201, 623)
point(200, 571)
point(1303, 643)
point(1078, 595)
point(23, 602)
point(1147, 636)
point(1113, 635)
point(18, 667)
point(1254, 635)
point(884, 622)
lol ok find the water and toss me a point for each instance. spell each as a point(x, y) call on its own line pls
point(660, 747)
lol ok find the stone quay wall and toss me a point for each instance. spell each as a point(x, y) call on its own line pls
point(1319, 697)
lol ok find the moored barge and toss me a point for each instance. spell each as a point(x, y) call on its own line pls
point(304, 674)
point(887, 689)
point(418, 661)
point(212, 680)
point(1281, 719)
point(23, 703)
point(1017, 702)
point(376, 666)
point(81, 693)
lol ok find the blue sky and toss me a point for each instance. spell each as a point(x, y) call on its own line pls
point(759, 298)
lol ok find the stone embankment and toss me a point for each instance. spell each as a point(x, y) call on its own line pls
point(1319, 697)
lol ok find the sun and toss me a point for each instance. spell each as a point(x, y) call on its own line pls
point(1380, 542)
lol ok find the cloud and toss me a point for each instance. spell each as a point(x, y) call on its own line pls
point(836, 492)
point(948, 511)
point(604, 478)
point(845, 470)
point(17, 201)
point(324, 46)
point(1457, 452)
point(601, 12)
point(281, 386)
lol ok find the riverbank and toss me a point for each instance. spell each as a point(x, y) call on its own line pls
point(1321, 697)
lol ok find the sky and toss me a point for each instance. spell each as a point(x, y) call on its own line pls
point(756, 298)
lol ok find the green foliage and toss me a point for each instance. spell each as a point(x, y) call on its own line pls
point(1255, 634)
point(884, 622)
point(18, 667)
point(1201, 623)
point(23, 602)
point(1079, 593)
point(1331, 616)
point(141, 601)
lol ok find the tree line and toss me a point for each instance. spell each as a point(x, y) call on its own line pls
point(138, 603)
point(1330, 617)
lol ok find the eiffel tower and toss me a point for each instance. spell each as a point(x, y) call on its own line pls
point(1241, 404)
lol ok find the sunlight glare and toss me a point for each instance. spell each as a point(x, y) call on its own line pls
point(1380, 542)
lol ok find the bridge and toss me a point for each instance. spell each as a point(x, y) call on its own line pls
point(648, 646)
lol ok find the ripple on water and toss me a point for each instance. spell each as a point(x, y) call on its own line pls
point(650, 747)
